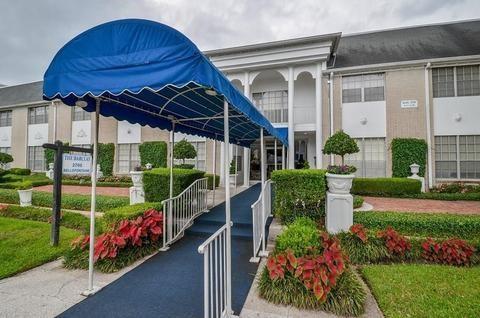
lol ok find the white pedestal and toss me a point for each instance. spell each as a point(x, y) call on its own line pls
point(137, 195)
point(421, 179)
point(338, 212)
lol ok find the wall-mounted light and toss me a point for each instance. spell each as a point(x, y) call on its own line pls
point(210, 92)
point(363, 120)
point(457, 117)
point(81, 103)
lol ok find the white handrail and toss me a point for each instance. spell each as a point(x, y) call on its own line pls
point(259, 220)
point(181, 210)
point(214, 250)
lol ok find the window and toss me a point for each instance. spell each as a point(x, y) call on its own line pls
point(36, 158)
point(6, 118)
point(38, 115)
point(200, 160)
point(363, 88)
point(457, 157)
point(370, 160)
point(128, 157)
point(274, 105)
point(468, 80)
point(9, 151)
point(80, 114)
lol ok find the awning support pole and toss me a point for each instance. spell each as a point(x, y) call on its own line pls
point(236, 167)
point(275, 154)
point(226, 168)
point(170, 205)
point(93, 289)
point(263, 252)
point(283, 157)
point(214, 168)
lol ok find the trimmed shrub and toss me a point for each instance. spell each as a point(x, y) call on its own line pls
point(5, 158)
point(69, 201)
point(357, 201)
point(299, 193)
point(106, 157)
point(20, 171)
point(156, 182)
point(406, 151)
point(422, 224)
point(128, 212)
point(210, 180)
point(184, 166)
point(184, 150)
point(70, 220)
point(154, 152)
point(298, 237)
point(386, 186)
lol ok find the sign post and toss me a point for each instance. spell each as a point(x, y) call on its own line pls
point(59, 149)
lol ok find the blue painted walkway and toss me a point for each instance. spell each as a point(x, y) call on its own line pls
point(170, 284)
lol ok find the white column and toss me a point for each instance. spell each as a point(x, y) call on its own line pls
point(291, 133)
point(275, 153)
point(226, 172)
point(92, 289)
point(246, 151)
point(263, 252)
point(283, 157)
point(332, 160)
point(214, 156)
point(222, 164)
point(429, 129)
point(318, 115)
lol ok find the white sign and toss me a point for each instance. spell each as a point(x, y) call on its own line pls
point(77, 164)
point(409, 103)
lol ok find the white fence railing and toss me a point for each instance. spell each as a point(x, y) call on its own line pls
point(180, 211)
point(216, 296)
point(259, 218)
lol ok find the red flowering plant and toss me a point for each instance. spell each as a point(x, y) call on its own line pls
point(145, 229)
point(397, 244)
point(452, 251)
point(318, 271)
point(359, 231)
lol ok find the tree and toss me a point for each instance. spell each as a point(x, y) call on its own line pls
point(184, 150)
point(5, 158)
point(340, 144)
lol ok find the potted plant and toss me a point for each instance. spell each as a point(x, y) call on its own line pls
point(25, 190)
point(340, 177)
point(137, 177)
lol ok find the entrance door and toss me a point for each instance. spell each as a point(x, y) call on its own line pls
point(300, 153)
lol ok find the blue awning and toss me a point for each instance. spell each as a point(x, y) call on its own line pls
point(148, 73)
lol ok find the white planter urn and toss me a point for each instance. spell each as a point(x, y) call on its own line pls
point(233, 177)
point(137, 178)
point(339, 183)
point(25, 197)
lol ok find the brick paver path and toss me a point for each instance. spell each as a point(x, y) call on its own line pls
point(422, 205)
point(74, 189)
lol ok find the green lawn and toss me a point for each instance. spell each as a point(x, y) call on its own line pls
point(413, 290)
point(25, 244)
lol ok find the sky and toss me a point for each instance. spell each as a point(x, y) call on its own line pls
point(32, 31)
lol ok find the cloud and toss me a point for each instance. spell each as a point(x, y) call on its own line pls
point(31, 32)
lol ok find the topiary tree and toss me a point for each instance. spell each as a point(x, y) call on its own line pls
point(340, 144)
point(4, 159)
point(184, 150)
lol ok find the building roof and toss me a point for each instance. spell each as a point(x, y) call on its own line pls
point(21, 94)
point(409, 44)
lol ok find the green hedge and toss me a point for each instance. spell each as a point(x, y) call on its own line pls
point(210, 180)
point(106, 157)
point(156, 182)
point(406, 151)
point(128, 212)
point(154, 152)
point(20, 171)
point(69, 201)
point(299, 193)
point(422, 224)
point(386, 186)
point(70, 220)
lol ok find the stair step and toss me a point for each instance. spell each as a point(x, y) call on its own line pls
point(209, 229)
